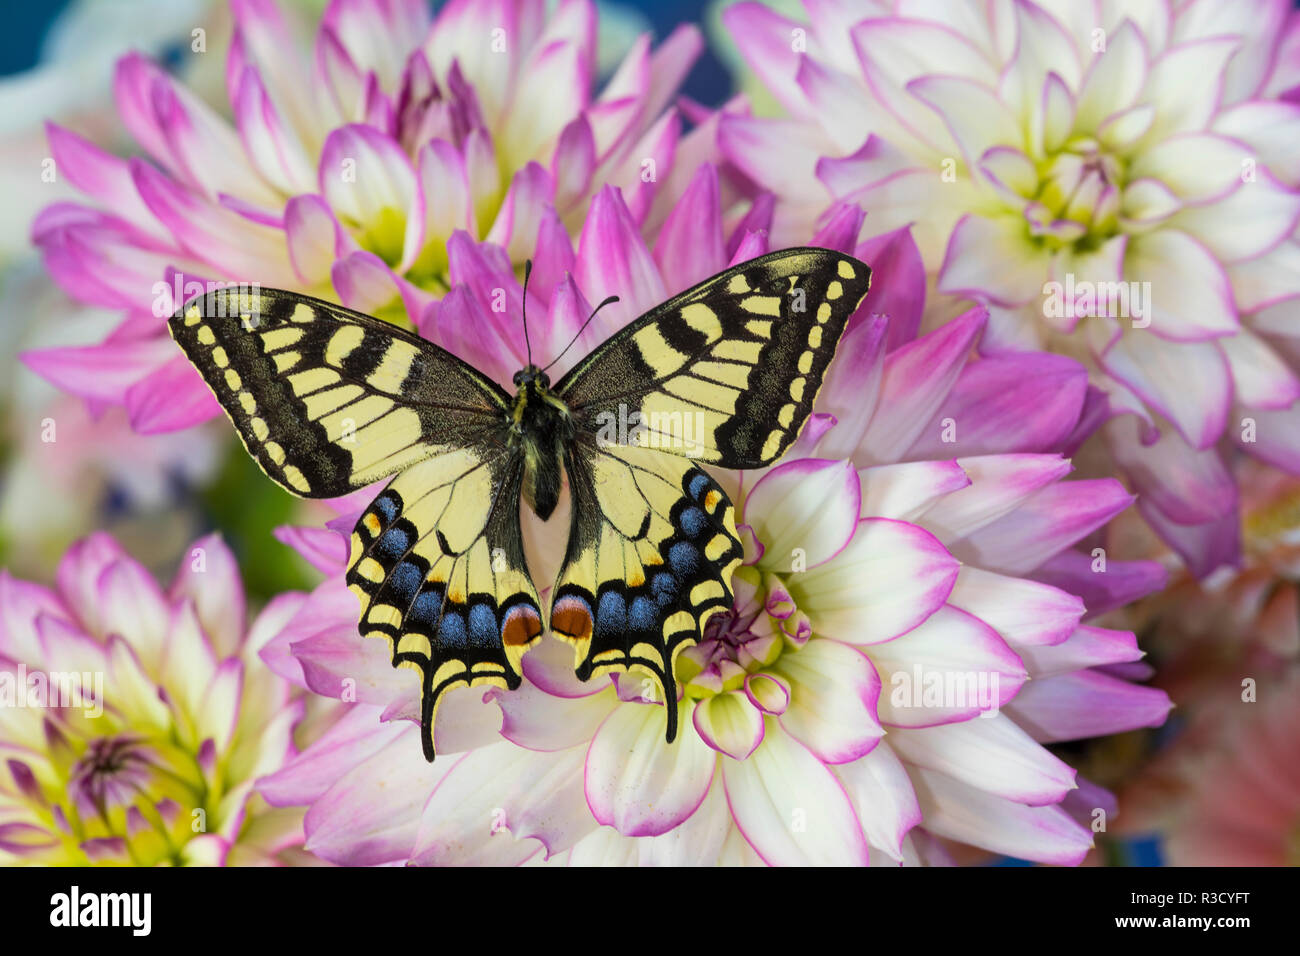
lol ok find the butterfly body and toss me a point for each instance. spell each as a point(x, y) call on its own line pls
point(328, 401)
point(542, 427)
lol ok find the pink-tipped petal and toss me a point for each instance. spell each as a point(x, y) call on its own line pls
point(1086, 704)
point(917, 379)
point(834, 691)
point(970, 815)
point(170, 398)
point(1024, 613)
point(992, 754)
point(804, 511)
point(637, 783)
point(730, 723)
point(951, 667)
point(889, 579)
point(790, 806)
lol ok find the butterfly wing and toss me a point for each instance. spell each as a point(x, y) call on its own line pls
point(652, 547)
point(724, 373)
point(438, 563)
point(328, 400)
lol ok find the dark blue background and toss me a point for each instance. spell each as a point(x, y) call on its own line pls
point(25, 23)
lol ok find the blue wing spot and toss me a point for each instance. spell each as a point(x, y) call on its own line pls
point(451, 632)
point(644, 616)
point(611, 615)
point(693, 521)
point(423, 615)
point(483, 631)
point(684, 559)
point(664, 587)
point(386, 506)
point(697, 486)
point(405, 581)
point(393, 544)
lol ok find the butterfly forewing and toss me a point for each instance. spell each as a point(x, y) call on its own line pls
point(328, 400)
point(726, 372)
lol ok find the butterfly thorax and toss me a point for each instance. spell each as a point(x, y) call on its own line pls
point(542, 425)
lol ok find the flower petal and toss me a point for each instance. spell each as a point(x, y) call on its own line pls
point(170, 398)
point(790, 806)
point(883, 796)
point(833, 695)
point(969, 815)
point(993, 755)
point(1086, 647)
point(949, 668)
point(1158, 371)
point(804, 511)
point(637, 783)
point(1010, 403)
point(1024, 613)
point(209, 576)
point(1045, 524)
point(1086, 704)
point(917, 378)
point(906, 491)
point(372, 813)
point(889, 579)
point(613, 260)
point(729, 723)
point(992, 259)
point(690, 246)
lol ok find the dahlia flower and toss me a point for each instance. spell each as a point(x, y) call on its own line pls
point(133, 721)
point(906, 636)
point(1116, 182)
point(1223, 648)
point(346, 177)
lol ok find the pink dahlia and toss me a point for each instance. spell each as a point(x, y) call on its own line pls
point(1226, 649)
point(906, 638)
point(134, 721)
point(347, 172)
point(1115, 182)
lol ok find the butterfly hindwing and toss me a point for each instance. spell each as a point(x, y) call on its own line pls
point(438, 563)
point(328, 400)
point(726, 372)
point(652, 547)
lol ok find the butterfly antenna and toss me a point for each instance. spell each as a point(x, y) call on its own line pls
point(528, 271)
point(608, 301)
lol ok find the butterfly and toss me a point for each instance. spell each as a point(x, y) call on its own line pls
point(328, 401)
